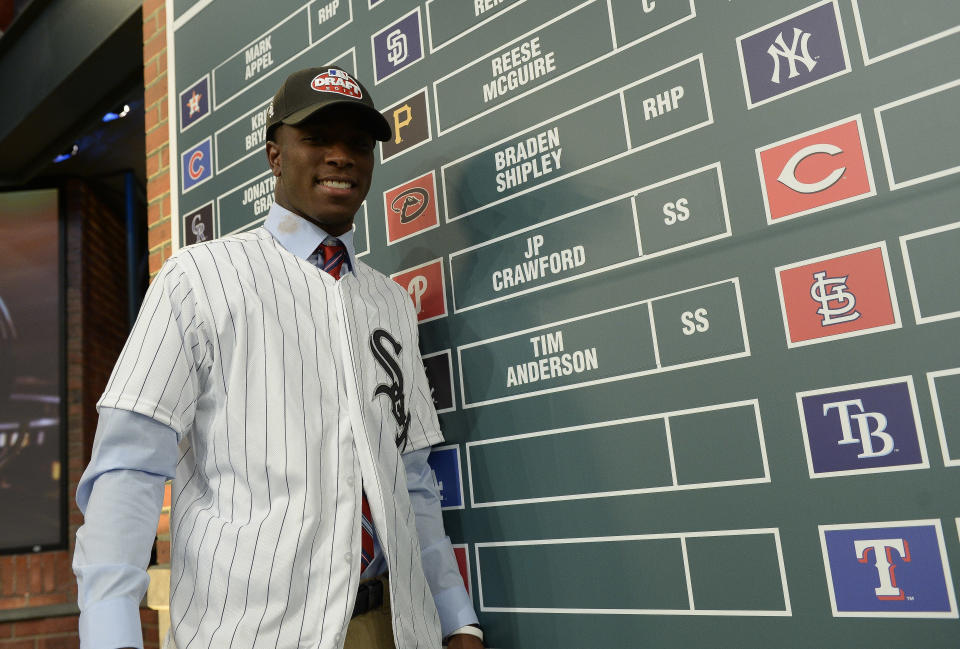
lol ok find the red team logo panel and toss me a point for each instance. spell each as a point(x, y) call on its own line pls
point(838, 296)
point(426, 288)
point(411, 208)
point(815, 170)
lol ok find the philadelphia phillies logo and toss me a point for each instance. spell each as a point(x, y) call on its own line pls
point(394, 391)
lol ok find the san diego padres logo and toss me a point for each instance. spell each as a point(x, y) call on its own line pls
point(394, 390)
point(410, 204)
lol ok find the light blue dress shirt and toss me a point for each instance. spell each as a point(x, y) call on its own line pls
point(121, 495)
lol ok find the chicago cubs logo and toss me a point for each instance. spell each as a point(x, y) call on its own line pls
point(822, 168)
point(846, 294)
point(411, 208)
point(862, 428)
point(394, 390)
point(888, 569)
point(338, 82)
point(795, 52)
point(196, 165)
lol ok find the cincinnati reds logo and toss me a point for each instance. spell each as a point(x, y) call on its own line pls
point(410, 204)
point(788, 176)
point(393, 391)
point(337, 81)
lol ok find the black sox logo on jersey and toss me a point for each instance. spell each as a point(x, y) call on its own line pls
point(394, 390)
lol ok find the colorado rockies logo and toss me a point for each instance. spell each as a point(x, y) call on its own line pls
point(394, 391)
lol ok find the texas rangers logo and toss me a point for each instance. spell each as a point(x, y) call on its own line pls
point(800, 50)
point(848, 293)
point(338, 82)
point(393, 391)
point(891, 569)
point(411, 208)
point(812, 171)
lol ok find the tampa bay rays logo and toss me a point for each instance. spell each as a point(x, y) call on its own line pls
point(394, 391)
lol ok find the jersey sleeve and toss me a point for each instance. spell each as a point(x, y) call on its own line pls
point(158, 372)
point(424, 425)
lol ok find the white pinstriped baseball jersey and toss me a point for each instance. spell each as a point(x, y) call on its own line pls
point(284, 387)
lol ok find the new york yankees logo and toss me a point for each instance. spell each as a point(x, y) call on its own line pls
point(394, 390)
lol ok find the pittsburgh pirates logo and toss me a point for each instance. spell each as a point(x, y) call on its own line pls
point(394, 390)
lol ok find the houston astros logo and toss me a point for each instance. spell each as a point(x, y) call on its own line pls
point(337, 81)
point(394, 390)
point(410, 204)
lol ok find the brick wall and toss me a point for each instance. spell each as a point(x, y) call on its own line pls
point(158, 178)
point(96, 319)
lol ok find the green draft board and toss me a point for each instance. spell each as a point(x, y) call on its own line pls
point(687, 276)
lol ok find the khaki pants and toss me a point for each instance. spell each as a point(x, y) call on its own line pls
point(373, 629)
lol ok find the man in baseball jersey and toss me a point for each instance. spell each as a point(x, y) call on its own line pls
point(278, 381)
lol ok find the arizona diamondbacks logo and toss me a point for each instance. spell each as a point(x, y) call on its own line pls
point(394, 391)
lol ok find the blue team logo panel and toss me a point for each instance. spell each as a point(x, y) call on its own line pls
point(196, 165)
point(397, 46)
point(863, 429)
point(195, 103)
point(800, 50)
point(896, 569)
point(445, 462)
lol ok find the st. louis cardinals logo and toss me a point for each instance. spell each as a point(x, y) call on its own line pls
point(838, 295)
point(394, 391)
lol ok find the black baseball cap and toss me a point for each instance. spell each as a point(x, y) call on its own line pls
point(305, 92)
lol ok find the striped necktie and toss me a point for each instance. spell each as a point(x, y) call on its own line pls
point(330, 256)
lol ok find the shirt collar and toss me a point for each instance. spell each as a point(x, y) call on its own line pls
point(300, 236)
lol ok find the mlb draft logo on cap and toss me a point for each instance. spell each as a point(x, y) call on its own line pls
point(889, 569)
point(196, 165)
point(427, 289)
point(337, 82)
point(862, 428)
point(826, 167)
point(411, 208)
point(848, 293)
point(800, 50)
